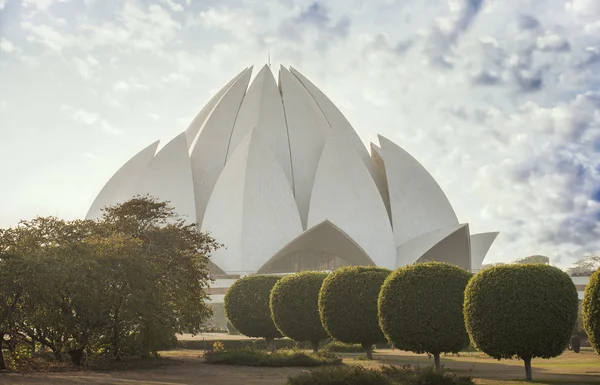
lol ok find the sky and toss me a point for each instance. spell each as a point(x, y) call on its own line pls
point(498, 99)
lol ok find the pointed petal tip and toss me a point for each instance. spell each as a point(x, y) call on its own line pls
point(155, 145)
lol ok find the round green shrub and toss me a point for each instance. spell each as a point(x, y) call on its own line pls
point(421, 308)
point(348, 305)
point(591, 311)
point(341, 374)
point(247, 306)
point(295, 307)
point(523, 311)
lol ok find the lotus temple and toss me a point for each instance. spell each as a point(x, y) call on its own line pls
point(273, 170)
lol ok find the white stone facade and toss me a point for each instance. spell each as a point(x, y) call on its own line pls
point(274, 171)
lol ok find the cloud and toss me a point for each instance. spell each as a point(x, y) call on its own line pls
point(318, 15)
point(109, 128)
point(240, 23)
point(584, 8)
point(87, 66)
point(174, 6)
point(316, 19)
point(134, 28)
point(8, 47)
point(486, 77)
point(89, 118)
point(46, 35)
point(121, 86)
point(528, 22)
point(446, 31)
point(552, 43)
point(43, 5)
point(177, 78)
point(80, 115)
point(85, 117)
point(129, 85)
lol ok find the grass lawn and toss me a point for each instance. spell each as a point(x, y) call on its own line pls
point(570, 368)
point(187, 367)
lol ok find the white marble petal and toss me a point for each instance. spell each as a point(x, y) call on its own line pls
point(192, 131)
point(262, 110)
point(308, 130)
point(338, 122)
point(168, 177)
point(418, 204)
point(345, 194)
point(448, 244)
point(252, 209)
point(209, 150)
point(379, 167)
point(480, 245)
point(119, 187)
point(326, 238)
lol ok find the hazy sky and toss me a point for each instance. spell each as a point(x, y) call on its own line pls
point(499, 99)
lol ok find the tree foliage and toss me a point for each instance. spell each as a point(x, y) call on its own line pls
point(294, 306)
point(535, 259)
point(523, 311)
point(591, 311)
point(348, 305)
point(247, 306)
point(585, 267)
point(124, 284)
point(421, 308)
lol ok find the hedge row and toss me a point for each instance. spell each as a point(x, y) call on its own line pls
point(283, 343)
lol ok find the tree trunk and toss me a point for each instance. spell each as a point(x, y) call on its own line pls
point(57, 354)
point(436, 359)
point(115, 337)
point(2, 363)
point(528, 375)
point(315, 346)
point(368, 348)
point(116, 349)
point(76, 356)
point(270, 344)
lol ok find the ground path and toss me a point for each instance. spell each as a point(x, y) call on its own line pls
point(187, 367)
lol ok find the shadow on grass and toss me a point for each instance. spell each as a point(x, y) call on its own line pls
point(93, 364)
point(570, 368)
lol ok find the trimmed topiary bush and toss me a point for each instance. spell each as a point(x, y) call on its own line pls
point(247, 307)
point(348, 305)
point(591, 311)
point(340, 347)
point(237, 344)
point(523, 311)
point(421, 309)
point(385, 375)
point(295, 307)
point(340, 375)
point(279, 359)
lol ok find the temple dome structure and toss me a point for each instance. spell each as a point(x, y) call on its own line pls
point(275, 172)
